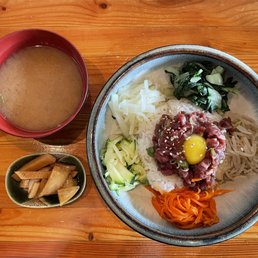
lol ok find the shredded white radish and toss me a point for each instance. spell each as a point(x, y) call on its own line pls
point(136, 105)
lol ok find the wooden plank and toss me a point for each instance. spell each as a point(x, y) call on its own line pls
point(124, 248)
point(131, 13)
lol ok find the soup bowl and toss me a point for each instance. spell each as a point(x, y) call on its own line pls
point(237, 210)
point(16, 41)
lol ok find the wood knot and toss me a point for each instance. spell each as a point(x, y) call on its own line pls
point(103, 5)
point(3, 8)
point(90, 236)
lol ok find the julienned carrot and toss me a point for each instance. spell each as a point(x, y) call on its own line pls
point(186, 208)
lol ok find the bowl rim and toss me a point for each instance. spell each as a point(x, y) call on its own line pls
point(200, 240)
point(84, 75)
point(36, 154)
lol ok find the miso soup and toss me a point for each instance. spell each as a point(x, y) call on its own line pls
point(40, 87)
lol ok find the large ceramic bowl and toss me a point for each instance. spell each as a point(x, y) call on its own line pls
point(237, 210)
point(12, 43)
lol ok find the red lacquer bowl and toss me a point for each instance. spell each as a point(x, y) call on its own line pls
point(33, 37)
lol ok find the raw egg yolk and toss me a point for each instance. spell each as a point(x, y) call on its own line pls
point(194, 149)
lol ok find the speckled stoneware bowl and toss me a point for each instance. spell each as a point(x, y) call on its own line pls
point(237, 210)
point(20, 196)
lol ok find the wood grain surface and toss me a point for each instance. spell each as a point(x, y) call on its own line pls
point(108, 33)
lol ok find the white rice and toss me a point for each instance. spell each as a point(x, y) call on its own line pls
point(156, 179)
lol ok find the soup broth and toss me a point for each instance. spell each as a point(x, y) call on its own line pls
point(40, 87)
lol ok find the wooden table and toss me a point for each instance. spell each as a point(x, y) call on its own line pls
point(108, 33)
